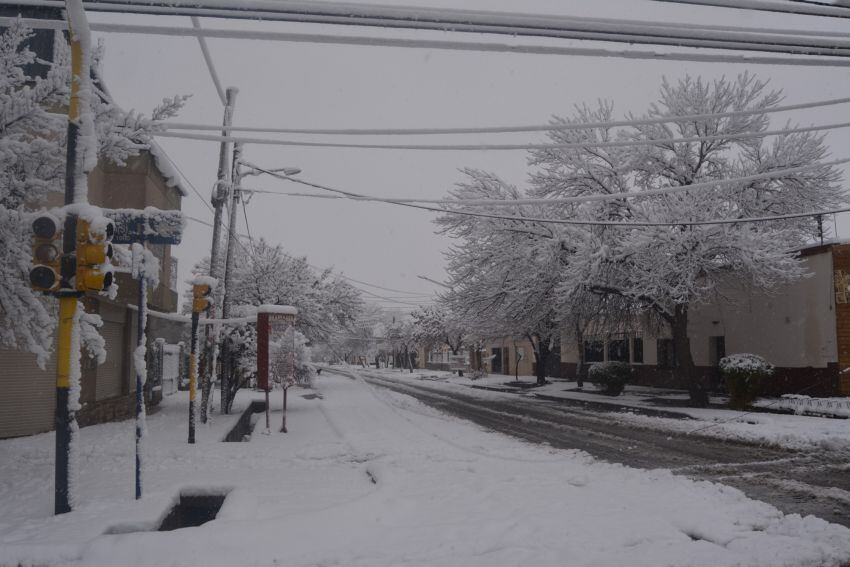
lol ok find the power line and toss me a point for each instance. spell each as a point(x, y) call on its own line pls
point(248, 226)
point(442, 19)
point(764, 6)
point(202, 41)
point(826, 56)
point(343, 276)
point(186, 179)
point(567, 200)
point(501, 147)
point(623, 32)
point(605, 197)
point(502, 129)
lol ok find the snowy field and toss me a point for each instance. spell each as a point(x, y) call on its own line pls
point(781, 430)
point(370, 478)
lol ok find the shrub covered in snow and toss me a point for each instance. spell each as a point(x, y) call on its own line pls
point(744, 374)
point(610, 377)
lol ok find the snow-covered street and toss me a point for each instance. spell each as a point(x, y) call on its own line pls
point(371, 477)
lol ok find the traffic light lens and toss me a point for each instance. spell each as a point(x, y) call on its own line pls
point(110, 231)
point(44, 227)
point(42, 277)
point(107, 280)
point(46, 253)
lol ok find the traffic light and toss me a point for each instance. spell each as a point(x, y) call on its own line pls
point(201, 300)
point(46, 273)
point(94, 253)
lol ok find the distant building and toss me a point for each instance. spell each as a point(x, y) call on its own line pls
point(803, 329)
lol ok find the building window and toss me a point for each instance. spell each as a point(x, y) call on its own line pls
point(716, 349)
point(666, 353)
point(618, 350)
point(637, 350)
point(594, 351)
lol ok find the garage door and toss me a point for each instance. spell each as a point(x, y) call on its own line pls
point(110, 374)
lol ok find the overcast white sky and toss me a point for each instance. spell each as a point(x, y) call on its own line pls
point(315, 86)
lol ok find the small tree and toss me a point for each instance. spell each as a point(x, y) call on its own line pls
point(610, 377)
point(744, 375)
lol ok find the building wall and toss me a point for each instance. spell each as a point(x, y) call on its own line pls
point(509, 349)
point(793, 327)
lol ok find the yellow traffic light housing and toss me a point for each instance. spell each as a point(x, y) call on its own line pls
point(94, 253)
point(46, 273)
point(201, 297)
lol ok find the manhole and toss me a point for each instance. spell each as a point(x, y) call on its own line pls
point(192, 510)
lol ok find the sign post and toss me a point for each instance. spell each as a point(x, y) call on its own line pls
point(269, 317)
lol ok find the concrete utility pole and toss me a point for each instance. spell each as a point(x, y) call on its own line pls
point(230, 251)
point(218, 198)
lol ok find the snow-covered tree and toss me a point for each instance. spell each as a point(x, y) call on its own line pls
point(438, 325)
point(290, 360)
point(504, 274)
point(32, 164)
point(667, 269)
point(400, 338)
point(326, 303)
point(660, 270)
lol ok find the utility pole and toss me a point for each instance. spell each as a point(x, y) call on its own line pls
point(218, 198)
point(230, 251)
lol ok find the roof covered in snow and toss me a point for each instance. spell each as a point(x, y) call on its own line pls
point(165, 167)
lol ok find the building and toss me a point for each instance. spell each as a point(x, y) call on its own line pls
point(803, 329)
point(108, 390)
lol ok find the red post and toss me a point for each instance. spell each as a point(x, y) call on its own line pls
point(263, 358)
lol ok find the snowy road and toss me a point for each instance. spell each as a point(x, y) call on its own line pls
point(368, 477)
point(804, 482)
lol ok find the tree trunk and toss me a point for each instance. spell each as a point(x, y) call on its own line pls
point(581, 367)
point(542, 352)
point(684, 361)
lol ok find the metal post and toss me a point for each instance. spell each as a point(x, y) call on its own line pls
point(65, 419)
point(230, 252)
point(193, 368)
point(218, 199)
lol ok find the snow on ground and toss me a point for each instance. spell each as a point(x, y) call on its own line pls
point(368, 477)
point(783, 430)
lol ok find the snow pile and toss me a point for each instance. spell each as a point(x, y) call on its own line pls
point(367, 477)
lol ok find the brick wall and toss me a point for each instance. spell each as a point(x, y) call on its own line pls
point(841, 263)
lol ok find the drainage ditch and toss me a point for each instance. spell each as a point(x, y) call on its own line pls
point(192, 510)
point(244, 427)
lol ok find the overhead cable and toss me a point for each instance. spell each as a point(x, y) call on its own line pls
point(407, 17)
point(501, 129)
point(621, 32)
point(767, 6)
point(498, 147)
point(202, 41)
point(603, 197)
point(825, 56)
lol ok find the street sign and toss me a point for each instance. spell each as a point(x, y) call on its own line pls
point(150, 225)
